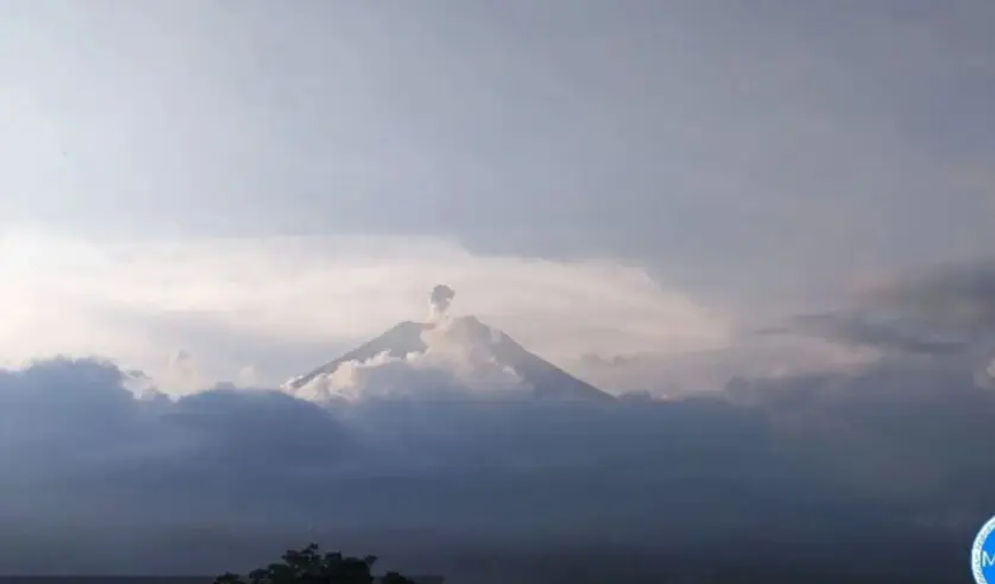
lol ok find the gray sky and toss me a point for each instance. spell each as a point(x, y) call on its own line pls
point(758, 157)
point(765, 226)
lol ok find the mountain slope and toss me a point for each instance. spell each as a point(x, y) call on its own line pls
point(474, 338)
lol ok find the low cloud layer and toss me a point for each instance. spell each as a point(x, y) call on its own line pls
point(955, 297)
point(945, 310)
point(840, 469)
point(889, 453)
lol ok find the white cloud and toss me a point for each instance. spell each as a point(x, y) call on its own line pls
point(247, 376)
point(183, 373)
point(458, 361)
point(232, 301)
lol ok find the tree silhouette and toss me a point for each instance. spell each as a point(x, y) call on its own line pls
point(308, 566)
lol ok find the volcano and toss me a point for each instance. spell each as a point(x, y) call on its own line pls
point(476, 342)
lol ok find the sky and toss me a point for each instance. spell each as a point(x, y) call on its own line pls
point(761, 223)
point(749, 161)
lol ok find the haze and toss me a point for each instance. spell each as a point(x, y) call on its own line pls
point(766, 227)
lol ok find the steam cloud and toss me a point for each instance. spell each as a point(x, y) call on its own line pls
point(458, 361)
point(439, 301)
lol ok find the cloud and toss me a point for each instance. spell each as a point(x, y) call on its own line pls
point(942, 311)
point(884, 449)
point(183, 373)
point(286, 304)
point(895, 334)
point(958, 297)
point(258, 429)
point(748, 355)
point(247, 376)
point(457, 362)
point(889, 452)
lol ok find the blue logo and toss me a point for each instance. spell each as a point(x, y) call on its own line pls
point(983, 554)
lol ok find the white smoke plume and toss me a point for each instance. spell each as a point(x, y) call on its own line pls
point(439, 301)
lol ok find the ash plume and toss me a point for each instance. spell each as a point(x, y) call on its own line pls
point(439, 301)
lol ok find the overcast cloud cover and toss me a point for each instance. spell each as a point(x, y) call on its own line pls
point(765, 227)
point(807, 466)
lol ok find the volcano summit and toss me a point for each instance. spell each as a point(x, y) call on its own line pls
point(460, 354)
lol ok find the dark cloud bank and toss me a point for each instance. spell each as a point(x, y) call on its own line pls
point(876, 475)
point(882, 474)
point(940, 310)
